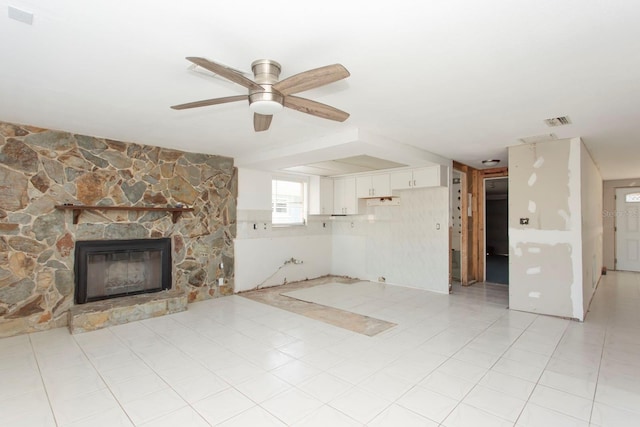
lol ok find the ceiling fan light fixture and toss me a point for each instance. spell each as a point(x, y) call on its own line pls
point(266, 103)
point(266, 108)
point(490, 162)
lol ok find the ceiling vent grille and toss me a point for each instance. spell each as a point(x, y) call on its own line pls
point(558, 121)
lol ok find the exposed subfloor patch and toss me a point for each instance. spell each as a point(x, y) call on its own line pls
point(330, 299)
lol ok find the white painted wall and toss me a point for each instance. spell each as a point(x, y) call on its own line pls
point(261, 249)
point(260, 262)
point(400, 243)
point(575, 220)
point(554, 259)
point(592, 226)
point(254, 190)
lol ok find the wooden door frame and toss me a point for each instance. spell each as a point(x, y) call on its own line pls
point(467, 273)
point(473, 245)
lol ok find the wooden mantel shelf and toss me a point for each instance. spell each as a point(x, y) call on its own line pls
point(77, 210)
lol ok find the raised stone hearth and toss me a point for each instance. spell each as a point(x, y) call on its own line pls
point(116, 311)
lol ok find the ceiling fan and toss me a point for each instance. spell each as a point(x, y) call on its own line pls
point(267, 95)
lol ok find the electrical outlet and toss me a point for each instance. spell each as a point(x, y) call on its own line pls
point(524, 221)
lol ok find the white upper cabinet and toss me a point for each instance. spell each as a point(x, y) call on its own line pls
point(378, 185)
point(320, 196)
point(432, 176)
point(345, 201)
point(401, 180)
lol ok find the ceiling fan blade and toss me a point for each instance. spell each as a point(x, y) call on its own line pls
point(311, 79)
point(261, 122)
point(206, 102)
point(314, 108)
point(225, 72)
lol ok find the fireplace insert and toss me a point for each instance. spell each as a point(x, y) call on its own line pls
point(113, 268)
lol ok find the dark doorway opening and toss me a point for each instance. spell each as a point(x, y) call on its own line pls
point(497, 230)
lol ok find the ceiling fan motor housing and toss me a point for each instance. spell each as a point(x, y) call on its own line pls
point(266, 72)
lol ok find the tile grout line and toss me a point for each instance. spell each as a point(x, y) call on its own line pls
point(44, 386)
point(595, 389)
point(100, 374)
point(489, 369)
point(195, 361)
point(542, 373)
point(256, 404)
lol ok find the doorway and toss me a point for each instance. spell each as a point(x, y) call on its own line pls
point(456, 227)
point(472, 222)
point(496, 238)
point(627, 229)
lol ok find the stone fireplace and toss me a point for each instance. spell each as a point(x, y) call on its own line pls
point(116, 268)
point(43, 169)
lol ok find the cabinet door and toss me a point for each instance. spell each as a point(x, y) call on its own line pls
point(326, 196)
point(350, 196)
point(338, 196)
point(381, 185)
point(401, 180)
point(426, 177)
point(363, 187)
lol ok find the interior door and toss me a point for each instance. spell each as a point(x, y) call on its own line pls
point(627, 217)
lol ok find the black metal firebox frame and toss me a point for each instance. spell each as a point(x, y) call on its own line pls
point(85, 248)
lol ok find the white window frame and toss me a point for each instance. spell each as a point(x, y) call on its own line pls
point(275, 203)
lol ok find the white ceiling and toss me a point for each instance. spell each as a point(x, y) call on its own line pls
point(462, 79)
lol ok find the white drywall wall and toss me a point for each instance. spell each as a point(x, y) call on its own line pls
point(556, 258)
point(544, 252)
point(592, 226)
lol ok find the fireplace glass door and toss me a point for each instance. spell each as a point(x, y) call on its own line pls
point(108, 269)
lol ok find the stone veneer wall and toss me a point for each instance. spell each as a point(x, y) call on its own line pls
point(41, 168)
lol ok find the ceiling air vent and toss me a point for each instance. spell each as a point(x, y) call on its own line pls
point(558, 121)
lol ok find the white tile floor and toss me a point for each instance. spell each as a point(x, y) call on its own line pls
point(459, 360)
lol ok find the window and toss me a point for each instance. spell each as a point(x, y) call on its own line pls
point(288, 201)
point(632, 198)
